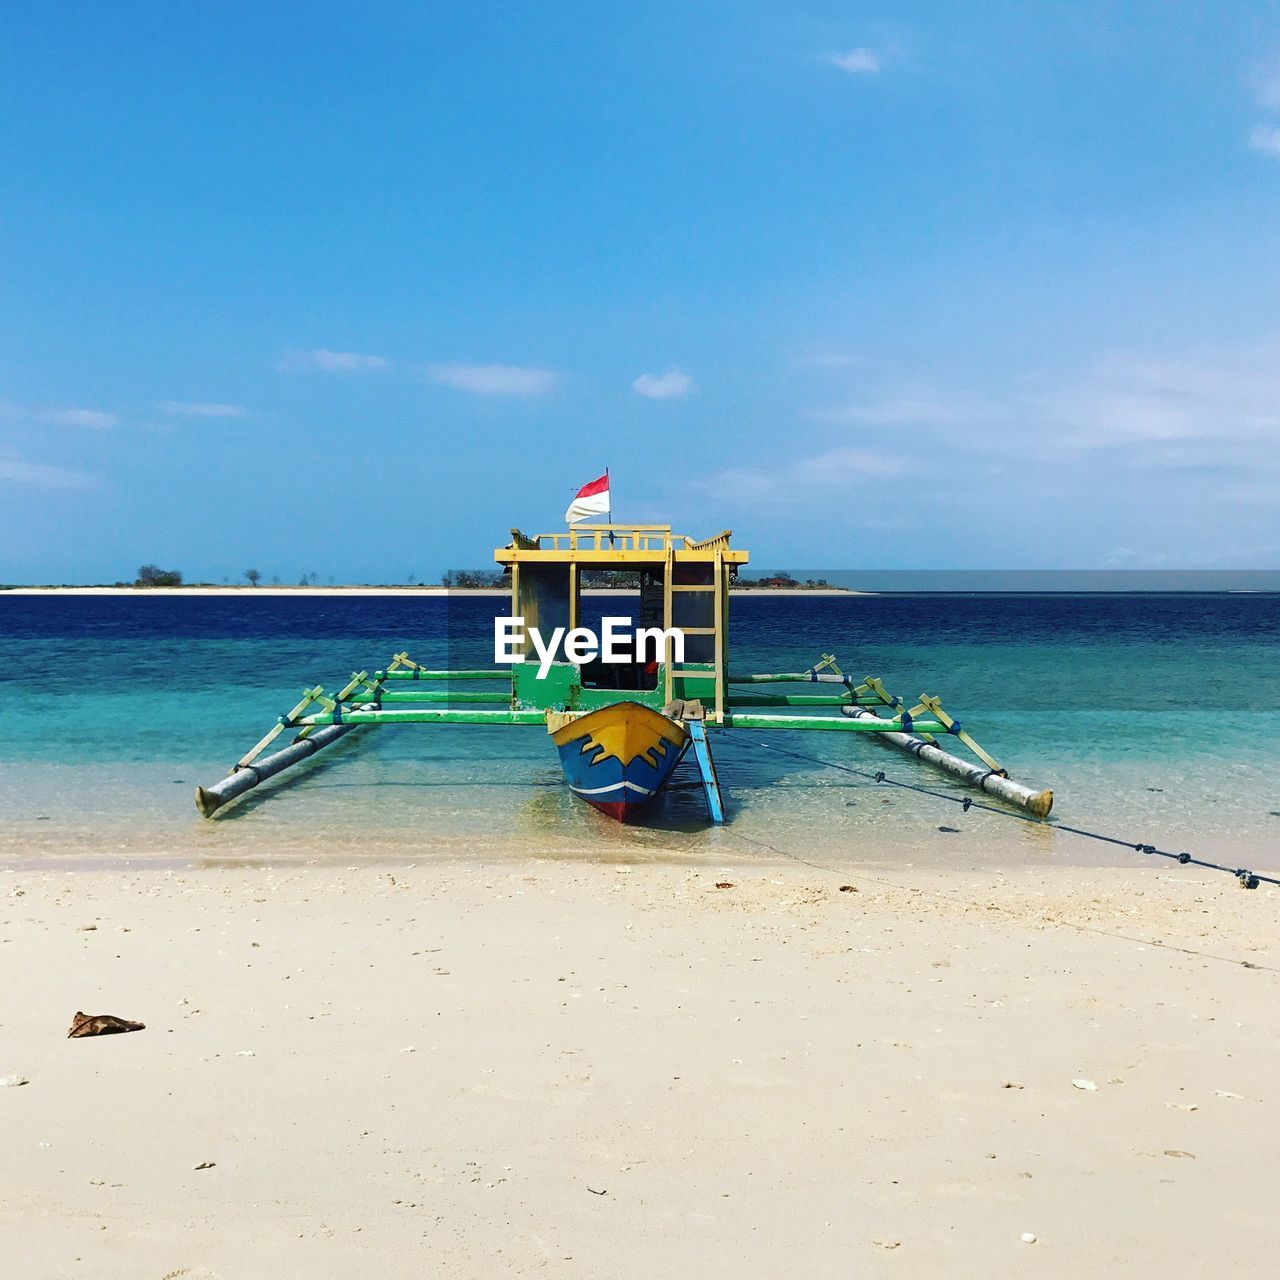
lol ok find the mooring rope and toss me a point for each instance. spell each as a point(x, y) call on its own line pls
point(943, 896)
point(1248, 879)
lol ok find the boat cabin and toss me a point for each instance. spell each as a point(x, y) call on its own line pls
point(679, 585)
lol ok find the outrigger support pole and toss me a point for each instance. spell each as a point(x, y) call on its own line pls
point(1037, 803)
point(210, 799)
point(910, 730)
point(249, 770)
point(992, 779)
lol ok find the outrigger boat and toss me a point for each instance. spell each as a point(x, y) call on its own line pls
point(621, 729)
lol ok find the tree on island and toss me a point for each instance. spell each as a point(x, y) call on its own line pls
point(786, 581)
point(253, 576)
point(628, 579)
point(471, 578)
point(151, 575)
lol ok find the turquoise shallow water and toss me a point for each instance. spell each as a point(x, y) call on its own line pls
point(1152, 717)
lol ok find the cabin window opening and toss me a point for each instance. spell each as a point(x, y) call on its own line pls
point(543, 604)
point(695, 609)
point(632, 677)
point(644, 606)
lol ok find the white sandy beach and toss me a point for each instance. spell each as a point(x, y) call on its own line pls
point(587, 1070)
point(252, 591)
point(383, 591)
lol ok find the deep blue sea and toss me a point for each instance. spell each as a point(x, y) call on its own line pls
point(1153, 717)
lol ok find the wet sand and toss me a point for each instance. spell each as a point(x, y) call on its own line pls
point(590, 1070)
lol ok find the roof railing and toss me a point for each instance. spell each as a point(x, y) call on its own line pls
point(606, 537)
point(617, 537)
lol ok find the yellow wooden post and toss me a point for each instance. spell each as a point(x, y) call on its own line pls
point(666, 619)
point(718, 610)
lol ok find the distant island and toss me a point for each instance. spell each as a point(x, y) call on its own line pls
point(785, 582)
point(151, 577)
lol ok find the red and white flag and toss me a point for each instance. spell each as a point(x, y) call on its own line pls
point(591, 500)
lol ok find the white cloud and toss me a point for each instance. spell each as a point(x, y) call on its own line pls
point(1174, 453)
point(40, 475)
point(201, 409)
point(332, 362)
point(93, 418)
point(859, 61)
point(1207, 395)
point(1203, 400)
point(841, 468)
point(1265, 495)
point(1266, 85)
point(1265, 138)
point(822, 359)
point(902, 411)
point(663, 386)
point(1207, 412)
point(494, 379)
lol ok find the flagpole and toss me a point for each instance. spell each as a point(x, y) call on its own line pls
point(609, 510)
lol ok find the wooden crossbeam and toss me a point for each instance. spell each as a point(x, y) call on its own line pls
point(286, 721)
point(934, 707)
point(291, 719)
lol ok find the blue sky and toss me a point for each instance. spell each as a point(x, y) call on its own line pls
point(352, 289)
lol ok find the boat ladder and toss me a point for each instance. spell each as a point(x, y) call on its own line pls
point(706, 767)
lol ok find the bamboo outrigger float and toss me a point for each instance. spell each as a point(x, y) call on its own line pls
point(622, 728)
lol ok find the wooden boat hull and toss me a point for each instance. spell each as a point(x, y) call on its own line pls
point(619, 757)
